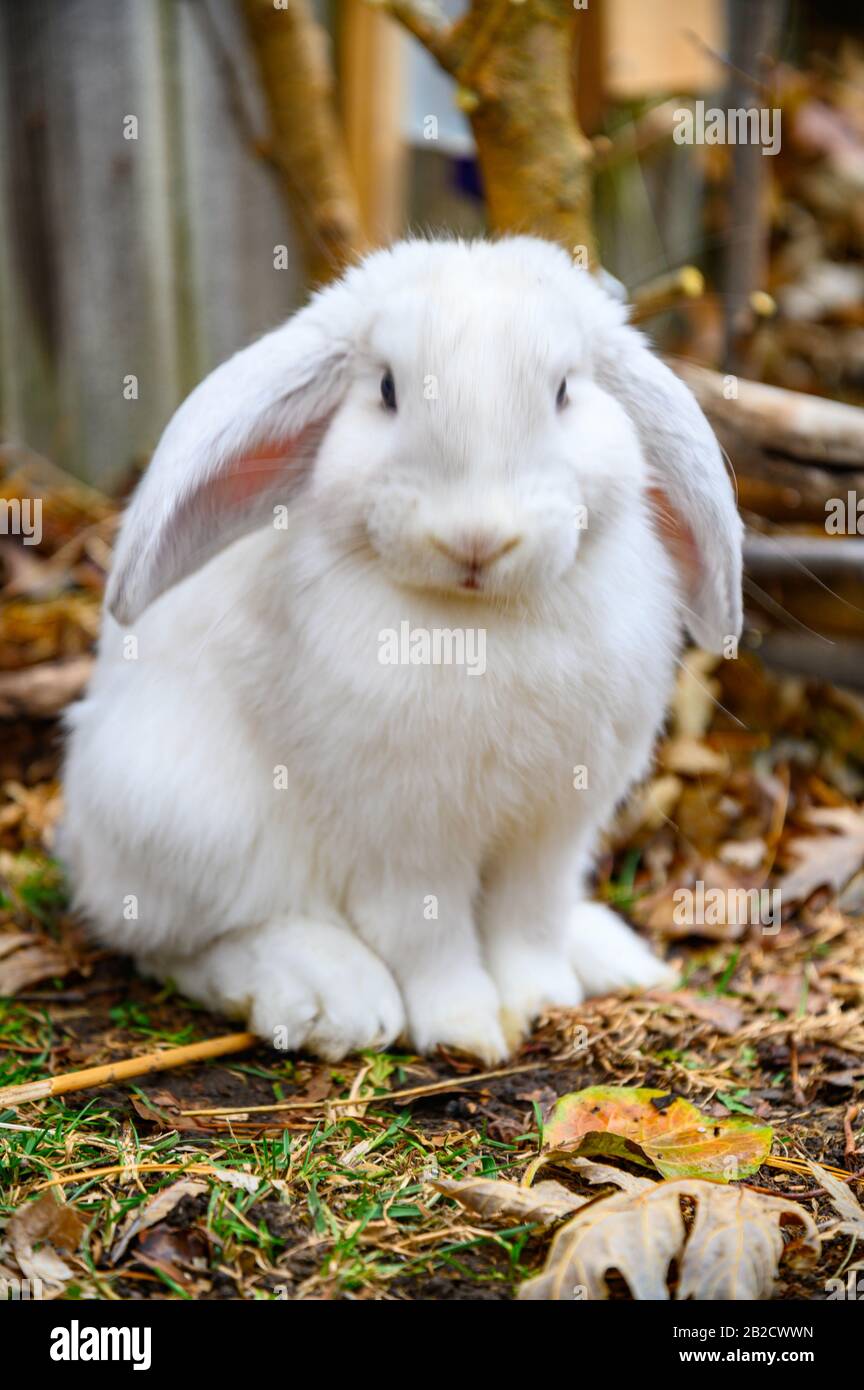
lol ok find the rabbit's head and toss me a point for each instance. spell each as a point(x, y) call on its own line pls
point(466, 416)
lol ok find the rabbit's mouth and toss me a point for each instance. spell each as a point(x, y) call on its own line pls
point(456, 592)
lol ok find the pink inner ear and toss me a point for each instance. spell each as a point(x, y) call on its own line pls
point(678, 538)
point(253, 473)
point(273, 465)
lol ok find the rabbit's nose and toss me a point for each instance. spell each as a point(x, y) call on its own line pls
point(475, 549)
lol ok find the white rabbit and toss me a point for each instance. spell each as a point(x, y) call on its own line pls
point(463, 438)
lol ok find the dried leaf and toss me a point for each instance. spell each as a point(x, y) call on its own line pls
point(164, 1110)
point(843, 1200)
point(723, 1015)
point(691, 757)
point(695, 698)
point(733, 1250)
point(37, 1230)
point(662, 912)
point(155, 1209)
point(587, 1169)
point(744, 854)
point(656, 1128)
point(649, 808)
point(789, 991)
point(736, 1245)
point(36, 810)
point(181, 1255)
point(622, 1233)
point(546, 1203)
point(830, 860)
point(36, 958)
point(13, 941)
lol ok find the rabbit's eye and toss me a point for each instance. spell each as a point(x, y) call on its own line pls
point(562, 398)
point(388, 390)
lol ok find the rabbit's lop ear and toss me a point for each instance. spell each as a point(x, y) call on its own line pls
point(692, 491)
point(242, 442)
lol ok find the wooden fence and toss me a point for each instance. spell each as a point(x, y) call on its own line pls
point(137, 227)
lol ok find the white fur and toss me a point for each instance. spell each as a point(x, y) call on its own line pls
point(422, 869)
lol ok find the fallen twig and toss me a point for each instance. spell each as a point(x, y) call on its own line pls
point(122, 1071)
point(454, 1083)
point(790, 422)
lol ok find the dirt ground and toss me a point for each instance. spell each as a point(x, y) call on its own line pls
point(758, 785)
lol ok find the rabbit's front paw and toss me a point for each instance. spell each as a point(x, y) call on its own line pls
point(607, 955)
point(530, 978)
point(460, 1012)
point(325, 992)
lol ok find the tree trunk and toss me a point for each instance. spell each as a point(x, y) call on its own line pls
point(307, 146)
point(513, 66)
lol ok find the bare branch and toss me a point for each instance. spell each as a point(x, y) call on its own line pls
point(787, 422)
point(426, 22)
